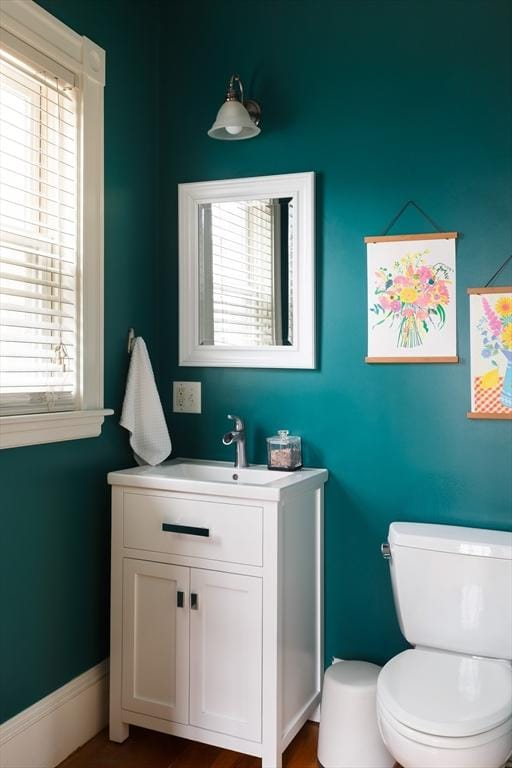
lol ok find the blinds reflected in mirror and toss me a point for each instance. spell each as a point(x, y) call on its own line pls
point(245, 271)
point(38, 240)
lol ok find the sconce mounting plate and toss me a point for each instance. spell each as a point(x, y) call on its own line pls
point(253, 109)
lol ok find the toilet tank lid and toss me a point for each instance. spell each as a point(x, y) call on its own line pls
point(456, 539)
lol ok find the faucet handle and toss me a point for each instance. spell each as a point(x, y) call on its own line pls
point(239, 424)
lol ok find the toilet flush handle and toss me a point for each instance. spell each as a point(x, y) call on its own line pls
point(386, 551)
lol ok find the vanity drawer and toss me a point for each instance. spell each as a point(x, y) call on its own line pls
point(229, 532)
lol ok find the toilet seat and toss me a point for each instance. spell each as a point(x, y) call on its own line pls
point(503, 730)
point(444, 694)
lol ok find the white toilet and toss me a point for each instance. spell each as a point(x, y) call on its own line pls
point(447, 703)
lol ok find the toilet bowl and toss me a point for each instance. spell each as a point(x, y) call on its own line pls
point(447, 702)
point(445, 710)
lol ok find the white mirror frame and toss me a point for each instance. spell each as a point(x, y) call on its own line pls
point(300, 186)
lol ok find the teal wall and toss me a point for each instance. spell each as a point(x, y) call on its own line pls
point(54, 501)
point(386, 101)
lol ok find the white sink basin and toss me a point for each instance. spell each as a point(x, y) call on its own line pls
point(214, 477)
point(219, 473)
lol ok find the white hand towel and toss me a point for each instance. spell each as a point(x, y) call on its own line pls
point(142, 410)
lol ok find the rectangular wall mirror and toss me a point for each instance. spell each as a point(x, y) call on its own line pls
point(247, 272)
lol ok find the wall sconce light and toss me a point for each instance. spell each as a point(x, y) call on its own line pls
point(238, 118)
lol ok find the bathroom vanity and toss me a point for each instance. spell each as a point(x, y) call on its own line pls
point(216, 616)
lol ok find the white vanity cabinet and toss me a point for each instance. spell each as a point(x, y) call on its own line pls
point(216, 614)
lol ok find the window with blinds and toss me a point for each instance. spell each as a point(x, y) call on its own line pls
point(39, 299)
point(238, 305)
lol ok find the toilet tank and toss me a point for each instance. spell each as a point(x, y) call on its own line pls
point(453, 587)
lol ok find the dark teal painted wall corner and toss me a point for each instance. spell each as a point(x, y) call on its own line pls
point(386, 100)
point(54, 500)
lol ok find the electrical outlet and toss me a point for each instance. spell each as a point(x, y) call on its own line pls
point(186, 396)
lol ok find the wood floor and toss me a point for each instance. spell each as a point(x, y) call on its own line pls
point(149, 749)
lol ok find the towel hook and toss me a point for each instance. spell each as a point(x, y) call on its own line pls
point(131, 340)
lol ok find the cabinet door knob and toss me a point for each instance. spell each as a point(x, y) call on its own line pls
point(194, 601)
point(191, 530)
point(179, 598)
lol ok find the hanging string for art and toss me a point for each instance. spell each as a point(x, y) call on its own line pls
point(401, 211)
point(509, 258)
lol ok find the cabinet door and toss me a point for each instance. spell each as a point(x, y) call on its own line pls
point(155, 639)
point(225, 653)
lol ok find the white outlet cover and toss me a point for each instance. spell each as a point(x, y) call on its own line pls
point(186, 396)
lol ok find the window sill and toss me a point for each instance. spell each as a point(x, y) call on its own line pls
point(36, 428)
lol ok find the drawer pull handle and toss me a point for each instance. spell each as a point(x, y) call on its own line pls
point(191, 530)
point(194, 601)
point(179, 598)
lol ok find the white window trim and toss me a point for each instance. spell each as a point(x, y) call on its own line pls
point(33, 25)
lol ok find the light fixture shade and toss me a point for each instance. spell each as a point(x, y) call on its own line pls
point(233, 123)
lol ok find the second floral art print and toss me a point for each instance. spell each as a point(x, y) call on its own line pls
point(411, 299)
point(491, 352)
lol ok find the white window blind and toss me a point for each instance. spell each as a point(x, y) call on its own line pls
point(242, 237)
point(39, 298)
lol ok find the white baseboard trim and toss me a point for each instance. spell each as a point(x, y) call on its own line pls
point(294, 726)
point(51, 729)
point(315, 715)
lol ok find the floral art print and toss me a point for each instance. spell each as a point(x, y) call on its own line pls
point(411, 299)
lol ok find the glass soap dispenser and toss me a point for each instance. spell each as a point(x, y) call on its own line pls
point(284, 451)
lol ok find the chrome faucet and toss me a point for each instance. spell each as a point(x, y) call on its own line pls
point(237, 436)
